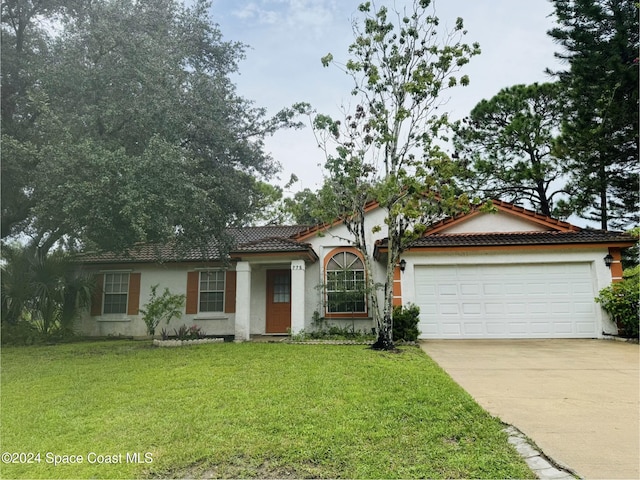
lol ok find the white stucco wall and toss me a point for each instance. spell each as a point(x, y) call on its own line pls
point(495, 222)
point(171, 276)
point(323, 244)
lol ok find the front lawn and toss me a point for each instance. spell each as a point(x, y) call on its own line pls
point(242, 410)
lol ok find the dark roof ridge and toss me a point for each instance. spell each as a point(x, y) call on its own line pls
point(521, 232)
point(267, 239)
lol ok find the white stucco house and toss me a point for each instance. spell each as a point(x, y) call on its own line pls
point(508, 274)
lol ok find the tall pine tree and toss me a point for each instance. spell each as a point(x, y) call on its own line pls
point(600, 129)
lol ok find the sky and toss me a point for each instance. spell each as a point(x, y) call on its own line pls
point(287, 38)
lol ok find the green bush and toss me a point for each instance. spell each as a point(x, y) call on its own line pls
point(20, 333)
point(405, 323)
point(620, 301)
point(164, 307)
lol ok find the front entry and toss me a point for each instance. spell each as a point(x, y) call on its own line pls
point(278, 318)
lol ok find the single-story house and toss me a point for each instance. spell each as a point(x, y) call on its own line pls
point(511, 273)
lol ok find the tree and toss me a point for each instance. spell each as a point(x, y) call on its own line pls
point(304, 207)
point(46, 290)
point(24, 49)
point(600, 41)
point(509, 142)
point(384, 149)
point(133, 131)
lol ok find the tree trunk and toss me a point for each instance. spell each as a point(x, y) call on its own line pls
point(385, 337)
point(385, 333)
point(604, 214)
point(545, 207)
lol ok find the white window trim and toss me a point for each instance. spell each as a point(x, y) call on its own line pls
point(326, 281)
point(104, 292)
point(212, 313)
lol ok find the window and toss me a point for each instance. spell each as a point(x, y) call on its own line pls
point(282, 288)
point(212, 291)
point(346, 287)
point(116, 289)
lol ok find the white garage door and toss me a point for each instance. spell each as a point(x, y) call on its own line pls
point(506, 301)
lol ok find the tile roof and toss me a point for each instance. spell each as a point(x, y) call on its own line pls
point(520, 238)
point(244, 235)
point(152, 253)
point(268, 239)
point(271, 244)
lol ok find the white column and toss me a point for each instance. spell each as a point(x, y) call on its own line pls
point(297, 295)
point(243, 302)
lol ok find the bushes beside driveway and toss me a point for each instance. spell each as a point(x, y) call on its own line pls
point(620, 301)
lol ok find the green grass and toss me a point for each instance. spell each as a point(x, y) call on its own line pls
point(245, 410)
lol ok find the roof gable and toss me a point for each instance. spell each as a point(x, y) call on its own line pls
point(321, 228)
point(506, 217)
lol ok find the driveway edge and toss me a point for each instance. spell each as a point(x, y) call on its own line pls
point(542, 465)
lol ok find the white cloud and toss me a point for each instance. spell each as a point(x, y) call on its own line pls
point(297, 15)
point(288, 38)
point(253, 11)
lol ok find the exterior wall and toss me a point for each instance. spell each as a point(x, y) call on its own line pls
point(323, 245)
point(251, 313)
point(171, 276)
point(495, 222)
point(601, 276)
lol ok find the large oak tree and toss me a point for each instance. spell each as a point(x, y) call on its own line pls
point(121, 124)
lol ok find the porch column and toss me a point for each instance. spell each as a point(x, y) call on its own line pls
point(297, 295)
point(243, 302)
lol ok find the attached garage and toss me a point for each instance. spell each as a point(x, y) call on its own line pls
point(510, 273)
point(546, 300)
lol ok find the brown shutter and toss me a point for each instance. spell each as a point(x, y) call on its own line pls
point(230, 292)
point(193, 279)
point(134, 294)
point(96, 297)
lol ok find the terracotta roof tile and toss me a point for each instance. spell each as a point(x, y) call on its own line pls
point(520, 238)
point(247, 239)
point(272, 244)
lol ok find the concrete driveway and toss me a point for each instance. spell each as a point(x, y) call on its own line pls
point(578, 400)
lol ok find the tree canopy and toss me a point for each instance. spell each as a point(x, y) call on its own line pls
point(402, 63)
point(508, 143)
point(121, 124)
point(600, 42)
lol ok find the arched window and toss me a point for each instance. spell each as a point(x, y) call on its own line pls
point(346, 285)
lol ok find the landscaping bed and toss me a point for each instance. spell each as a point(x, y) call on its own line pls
point(184, 343)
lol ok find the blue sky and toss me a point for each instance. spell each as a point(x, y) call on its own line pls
point(287, 38)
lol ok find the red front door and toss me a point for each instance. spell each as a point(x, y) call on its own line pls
point(278, 301)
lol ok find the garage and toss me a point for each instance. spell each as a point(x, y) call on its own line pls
point(523, 300)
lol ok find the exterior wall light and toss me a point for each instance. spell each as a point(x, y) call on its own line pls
point(608, 260)
point(403, 265)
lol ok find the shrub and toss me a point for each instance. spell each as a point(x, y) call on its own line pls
point(164, 307)
point(42, 294)
point(405, 323)
point(620, 301)
point(188, 333)
point(20, 333)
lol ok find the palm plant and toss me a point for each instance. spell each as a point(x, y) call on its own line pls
point(45, 290)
